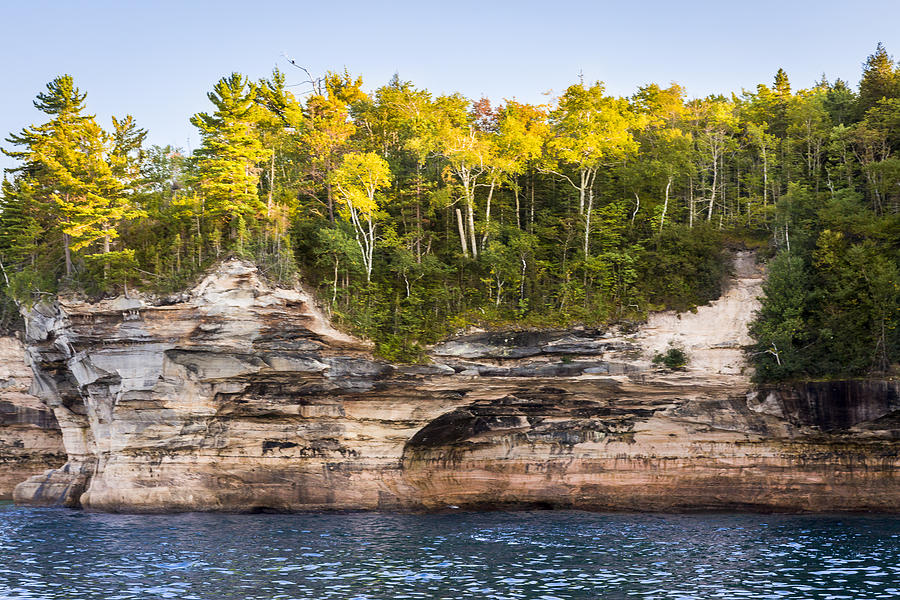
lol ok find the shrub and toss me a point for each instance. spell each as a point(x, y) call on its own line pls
point(674, 359)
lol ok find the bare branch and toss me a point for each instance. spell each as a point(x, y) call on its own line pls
point(577, 187)
point(315, 82)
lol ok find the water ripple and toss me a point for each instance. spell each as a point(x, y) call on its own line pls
point(54, 554)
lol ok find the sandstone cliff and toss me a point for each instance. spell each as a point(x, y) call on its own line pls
point(30, 441)
point(240, 396)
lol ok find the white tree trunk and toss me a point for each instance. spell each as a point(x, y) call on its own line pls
point(587, 222)
point(470, 210)
point(462, 233)
point(662, 218)
point(712, 193)
point(487, 214)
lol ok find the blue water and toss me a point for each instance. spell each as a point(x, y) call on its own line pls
point(56, 553)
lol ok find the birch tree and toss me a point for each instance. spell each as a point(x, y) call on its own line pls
point(714, 122)
point(590, 131)
point(357, 181)
point(468, 155)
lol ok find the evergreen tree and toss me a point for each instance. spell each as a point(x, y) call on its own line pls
point(76, 172)
point(227, 160)
point(782, 85)
point(880, 79)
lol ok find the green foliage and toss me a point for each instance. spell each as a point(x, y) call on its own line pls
point(880, 79)
point(413, 215)
point(780, 330)
point(10, 320)
point(832, 303)
point(230, 151)
point(682, 268)
point(674, 358)
point(109, 272)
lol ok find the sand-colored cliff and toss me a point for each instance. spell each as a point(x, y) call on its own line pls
point(239, 395)
point(30, 440)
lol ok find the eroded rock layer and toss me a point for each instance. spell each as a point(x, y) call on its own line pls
point(30, 441)
point(241, 396)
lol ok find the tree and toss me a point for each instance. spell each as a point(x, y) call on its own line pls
point(468, 152)
point(522, 132)
point(880, 80)
point(328, 127)
point(840, 102)
point(809, 126)
point(714, 123)
point(782, 85)
point(665, 147)
point(94, 198)
point(79, 173)
point(357, 180)
point(279, 125)
point(400, 123)
point(874, 140)
point(21, 231)
point(590, 130)
point(780, 327)
point(231, 149)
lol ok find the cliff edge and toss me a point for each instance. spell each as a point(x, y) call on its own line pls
point(239, 395)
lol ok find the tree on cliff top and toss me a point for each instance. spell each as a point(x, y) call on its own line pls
point(880, 79)
point(231, 149)
point(357, 180)
point(75, 173)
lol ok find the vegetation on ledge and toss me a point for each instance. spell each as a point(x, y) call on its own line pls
point(414, 215)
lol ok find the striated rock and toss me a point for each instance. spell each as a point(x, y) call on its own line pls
point(831, 406)
point(522, 344)
point(240, 396)
point(30, 440)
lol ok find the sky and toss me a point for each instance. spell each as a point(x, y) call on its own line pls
point(157, 60)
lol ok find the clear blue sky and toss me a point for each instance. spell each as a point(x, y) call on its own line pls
point(156, 60)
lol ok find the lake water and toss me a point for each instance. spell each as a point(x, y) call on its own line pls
point(57, 553)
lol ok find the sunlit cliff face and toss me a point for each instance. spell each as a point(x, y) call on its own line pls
point(30, 440)
point(240, 396)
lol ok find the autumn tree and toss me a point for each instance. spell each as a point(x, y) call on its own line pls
point(328, 127)
point(468, 152)
point(522, 131)
point(357, 181)
point(589, 131)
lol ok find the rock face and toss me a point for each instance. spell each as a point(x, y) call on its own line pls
point(240, 396)
point(30, 441)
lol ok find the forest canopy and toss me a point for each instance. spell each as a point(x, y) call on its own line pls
point(413, 214)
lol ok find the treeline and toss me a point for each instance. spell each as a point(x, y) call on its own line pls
point(414, 214)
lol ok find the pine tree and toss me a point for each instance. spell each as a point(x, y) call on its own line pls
point(20, 228)
point(227, 160)
point(880, 79)
point(782, 84)
point(70, 166)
